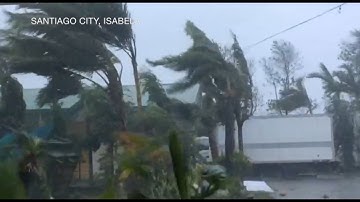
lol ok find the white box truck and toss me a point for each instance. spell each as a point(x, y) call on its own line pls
point(285, 139)
point(289, 139)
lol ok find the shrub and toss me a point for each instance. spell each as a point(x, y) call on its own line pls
point(241, 166)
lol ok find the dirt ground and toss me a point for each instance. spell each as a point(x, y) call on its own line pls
point(334, 186)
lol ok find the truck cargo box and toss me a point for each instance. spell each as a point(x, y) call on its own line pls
point(289, 139)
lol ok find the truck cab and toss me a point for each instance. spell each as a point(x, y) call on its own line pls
point(204, 148)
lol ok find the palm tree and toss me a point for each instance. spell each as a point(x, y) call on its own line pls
point(334, 85)
point(152, 86)
point(330, 85)
point(219, 80)
point(245, 106)
point(31, 166)
point(77, 51)
point(163, 113)
point(203, 57)
point(100, 119)
point(186, 112)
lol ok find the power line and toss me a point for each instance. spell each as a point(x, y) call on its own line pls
point(292, 27)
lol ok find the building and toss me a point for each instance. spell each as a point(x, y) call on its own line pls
point(37, 117)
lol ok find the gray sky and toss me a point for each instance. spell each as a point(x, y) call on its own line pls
point(159, 29)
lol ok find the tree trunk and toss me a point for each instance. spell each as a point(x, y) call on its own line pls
point(240, 119)
point(240, 123)
point(277, 99)
point(229, 133)
point(91, 170)
point(137, 84)
point(91, 174)
point(213, 143)
point(110, 151)
point(116, 96)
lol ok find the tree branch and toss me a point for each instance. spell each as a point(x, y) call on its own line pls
point(121, 70)
point(86, 78)
point(107, 83)
point(105, 73)
point(133, 47)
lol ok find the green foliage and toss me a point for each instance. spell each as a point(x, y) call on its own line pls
point(75, 47)
point(179, 165)
point(157, 93)
point(163, 186)
point(12, 104)
point(58, 87)
point(60, 127)
point(110, 192)
point(152, 121)
point(202, 183)
point(241, 165)
point(293, 98)
point(32, 166)
point(99, 115)
point(281, 69)
point(11, 186)
point(235, 190)
point(214, 177)
point(147, 170)
point(32, 146)
point(224, 81)
point(138, 161)
point(341, 111)
point(176, 109)
point(344, 81)
point(330, 84)
point(68, 54)
point(203, 62)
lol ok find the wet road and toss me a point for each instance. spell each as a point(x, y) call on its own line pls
point(330, 186)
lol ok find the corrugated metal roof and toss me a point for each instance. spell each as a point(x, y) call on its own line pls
point(188, 96)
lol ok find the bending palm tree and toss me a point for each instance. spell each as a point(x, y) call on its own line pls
point(73, 51)
point(220, 82)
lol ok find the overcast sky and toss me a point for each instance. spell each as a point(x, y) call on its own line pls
point(159, 29)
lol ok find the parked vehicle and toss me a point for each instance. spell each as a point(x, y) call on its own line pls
point(285, 144)
point(289, 139)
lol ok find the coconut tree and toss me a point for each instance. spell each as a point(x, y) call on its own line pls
point(77, 51)
point(201, 58)
point(246, 103)
point(334, 85)
point(153, 87)
point(220, 82)
point(185, 112)
point(330, 84)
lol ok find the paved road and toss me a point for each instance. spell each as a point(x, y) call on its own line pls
point(334, 187)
